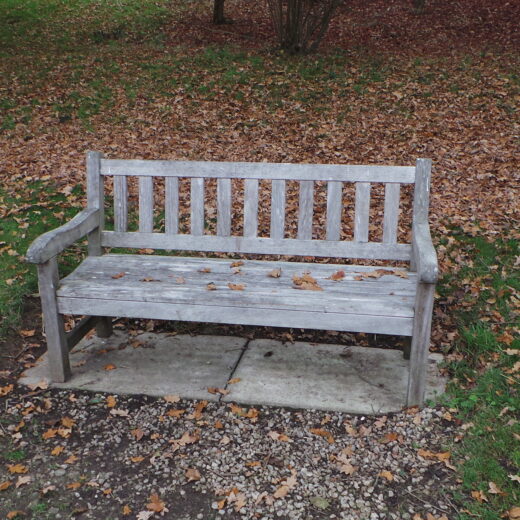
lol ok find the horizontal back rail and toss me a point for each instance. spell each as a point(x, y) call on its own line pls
point(243, 170)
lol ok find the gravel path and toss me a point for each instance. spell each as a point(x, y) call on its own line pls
point(98, 456)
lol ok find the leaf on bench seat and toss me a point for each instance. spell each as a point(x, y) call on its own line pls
point(236, 286)
point(118, 275)
point(337, 276)
point(275, 273)
point(306, 282)
point(377, 273)
point(149, 279)
point(211, 287)
point(205, 270)
point(238, 263)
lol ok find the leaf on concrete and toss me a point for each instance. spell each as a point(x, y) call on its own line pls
point(192, 474)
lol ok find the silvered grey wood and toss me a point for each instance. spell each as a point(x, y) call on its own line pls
point(86, 324)
point(424, 253)
point(277, 209)
point(421, 195)
point(420, 344)
point(120, 203)
point(146, 204)
point(243, 170)
point(53, 242)
point(95, 199)
point(305, 210)
point(171, 201)
point(197, 206)
point(224, 207)
point(362, 208)
point(391, 213)
point(334, 207)
point(104, 327)
point(250, 208)
point(57, 348)
point(266, 246)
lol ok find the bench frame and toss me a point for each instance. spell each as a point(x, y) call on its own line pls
point(90, 223)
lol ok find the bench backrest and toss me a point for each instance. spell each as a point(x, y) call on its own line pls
point(278, 175)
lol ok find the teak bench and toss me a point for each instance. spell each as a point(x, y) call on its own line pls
point(330, 297)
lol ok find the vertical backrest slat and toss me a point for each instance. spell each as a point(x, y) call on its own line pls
point(421, 194)
point(362, 212)
point(171, 205)
point(95, 196)
point(197, 206)
point(305, 207)
point(120, 203)
point(334, 196)
point(251, 207)
point(146, 204)
point(224, 207)
point(277, 209)
point(391, 215)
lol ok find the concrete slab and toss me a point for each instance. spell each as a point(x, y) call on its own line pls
point(327, 377)
point(160, 365)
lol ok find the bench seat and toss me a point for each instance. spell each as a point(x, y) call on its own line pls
point(176, 288)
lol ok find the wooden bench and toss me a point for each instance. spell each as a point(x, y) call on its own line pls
point(331, 296)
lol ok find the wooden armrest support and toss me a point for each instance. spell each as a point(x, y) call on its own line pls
point(50, 244)
point(424, 253)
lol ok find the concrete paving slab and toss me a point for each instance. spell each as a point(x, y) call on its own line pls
point(355, 380)
point(161, 365)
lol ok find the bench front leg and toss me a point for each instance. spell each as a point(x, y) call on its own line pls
point(104, 327)
point(420, 344)
point(57, 350)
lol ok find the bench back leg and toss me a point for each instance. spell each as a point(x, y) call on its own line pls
point(420, 344)
point(57, 350)
point(104, 327)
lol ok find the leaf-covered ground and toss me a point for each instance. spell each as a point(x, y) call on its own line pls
point(157, 80)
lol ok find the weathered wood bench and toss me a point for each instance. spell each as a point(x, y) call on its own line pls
point(341, 297)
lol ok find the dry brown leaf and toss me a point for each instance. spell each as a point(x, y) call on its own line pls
point(238, 263)
point(514, 513)
point(155, 504)
point(73, 485)
point(305, 282)
point(23, 480)
point(175, 413)
point(234, 380)
point(14, 514)
point(479, 496)
point(68, 422)
point(137, 433)
point(215, 390)
point(137, 459)
point(149, 279)
point(495, 490)
point(236, 286)
point(126, 510)
point(218, 424)
point(211, 287)
point(205, 270)
point(192, 474)
point(4, 485)
point(4, 390)
point(387, 475)
point(111, 401)
point(323, 433)
point(57, 450)
point(172, 398)
point(109, 367)
point(119, 413)
point(119, 275)
point(337, 276)
point(28, 333)
point(17, 468)
point(275, 273)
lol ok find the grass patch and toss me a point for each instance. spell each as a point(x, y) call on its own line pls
point(484, 389)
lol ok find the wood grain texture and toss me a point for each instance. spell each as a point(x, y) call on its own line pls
point(145, 204)
point(334, 208)
point(391, 213)
point(53, 242)
point(362, 211)
point(244, 170)
point(171, 205)
point(57, 348)
point(86, 324)
point(425, 257)
point(224, 207)
point(305, 210)
point(197, 206)
point(250, 207)
point(278, 209)
point(259, 245)
point(120, 203)
point(95, 199)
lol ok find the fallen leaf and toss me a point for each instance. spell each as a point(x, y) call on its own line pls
point(4, 390)
point(495, 490)
point(275, 273)
point(144, 515)
point(281, 437)
point(215, 390)
point(43, 384)
point(137, 433)
point(479, 496)
point(238, 263)
point(192, 474)
point(386, 474)
point(28, 333)
point(323, 433)
point(74, 485)
point(68, 422)
point(286, 486)
point(23, 480)
point(205, 270)
point(72, 459)
point(347, 468)
point(514, 478)
point(139, 458)
point(14, 514)
point(57, 450)
point(172, 398)
point(119, 412)
point(17, 468)
point(4, 485)
point(337, 276)
point(389, 437)
point(175, 413)
point(111, 401)
point(110, 366)
point(218, 424)
point(319, 502)
point(236, 286)
point(234, 380)
point(149, 279)
point(514, 513)
point(180, 279)
point(118, 275)
point(211, 287)
point(306, 282)
point(47, 489)
point(126, 510)
point(156, 504)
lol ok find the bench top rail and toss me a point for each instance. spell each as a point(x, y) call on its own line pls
point(279, 177)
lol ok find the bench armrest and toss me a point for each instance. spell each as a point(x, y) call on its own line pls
point(424, 253)
point(53, 242)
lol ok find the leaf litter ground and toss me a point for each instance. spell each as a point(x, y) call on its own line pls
point(390, 86)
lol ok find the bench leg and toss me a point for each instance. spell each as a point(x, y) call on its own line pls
point(57, 350)
point(407, 347)
point(104, 327)
point(420, 344)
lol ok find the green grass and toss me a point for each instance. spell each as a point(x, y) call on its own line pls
point(35, 210)
point(484, 388)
